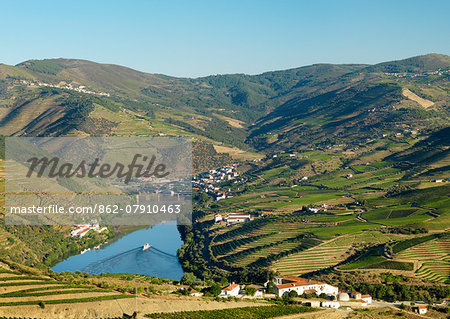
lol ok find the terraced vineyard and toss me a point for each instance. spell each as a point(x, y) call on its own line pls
point(327, 254)
point(265, 238)
point(20, 289)
point(433, 257)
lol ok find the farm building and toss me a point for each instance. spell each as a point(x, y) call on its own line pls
point(420, 309)
point(194, 293)
point(367, 298)
point(343, 296)
point(356, 295)
point(330, 304)
point(284, 285)
point(230, 290)
point(232, 218)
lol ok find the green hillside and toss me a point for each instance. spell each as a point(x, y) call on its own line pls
point(361, 145)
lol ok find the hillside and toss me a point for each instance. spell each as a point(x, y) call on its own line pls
point(371, 104)
point(359, 143)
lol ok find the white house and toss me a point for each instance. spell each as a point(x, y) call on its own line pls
point(300, 285)
point(356, 295)
point(194, 293)
point(232, 218)
point(330, 304)
point(230, 290)
point(367, 298)
point(78, 229)
point(420, 309)
point(237, 218)
point(220, 196)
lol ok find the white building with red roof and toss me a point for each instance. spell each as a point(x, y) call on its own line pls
point(420, 309)
point(232, 218)
point(367, 298)
point(285, 285)
point(231, 290)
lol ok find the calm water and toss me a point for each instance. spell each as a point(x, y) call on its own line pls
point(126, 256)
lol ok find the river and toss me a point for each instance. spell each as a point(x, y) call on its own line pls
point(125, 255)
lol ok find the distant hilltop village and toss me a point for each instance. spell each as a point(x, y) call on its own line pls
point(413, 75)
point(63, 85)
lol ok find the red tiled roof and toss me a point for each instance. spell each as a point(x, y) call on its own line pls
point(310, 291)
point(301, 280)
point(294, 281)
point(230, 287)
point(366, 296)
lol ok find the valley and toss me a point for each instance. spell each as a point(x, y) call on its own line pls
point(344, 171)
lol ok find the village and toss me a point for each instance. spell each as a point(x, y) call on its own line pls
point(63, 85)
point(207, 181)
point(413, 75)
point(308, 292)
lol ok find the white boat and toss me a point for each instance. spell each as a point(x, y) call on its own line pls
point(146, 246)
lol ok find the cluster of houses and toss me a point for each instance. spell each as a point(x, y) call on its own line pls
point(206, 181)
point(413, 75)
point(325, 207)
point(284, 285)
point(438, 180)
point(63, 85)
point(81, 230)
point(290, 155)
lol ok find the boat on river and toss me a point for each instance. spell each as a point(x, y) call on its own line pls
point(146, 246)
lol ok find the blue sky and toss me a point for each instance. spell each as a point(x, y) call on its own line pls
point(194, 38)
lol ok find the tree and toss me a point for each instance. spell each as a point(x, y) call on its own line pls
point(250, 291)
point(270, 287)
point(215, 289)
point(250, 188)
point(293, 294)
point(188, 279)
point(223, 281)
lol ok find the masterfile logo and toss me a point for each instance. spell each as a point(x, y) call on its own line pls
point(97, 169)
point(119, 181)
